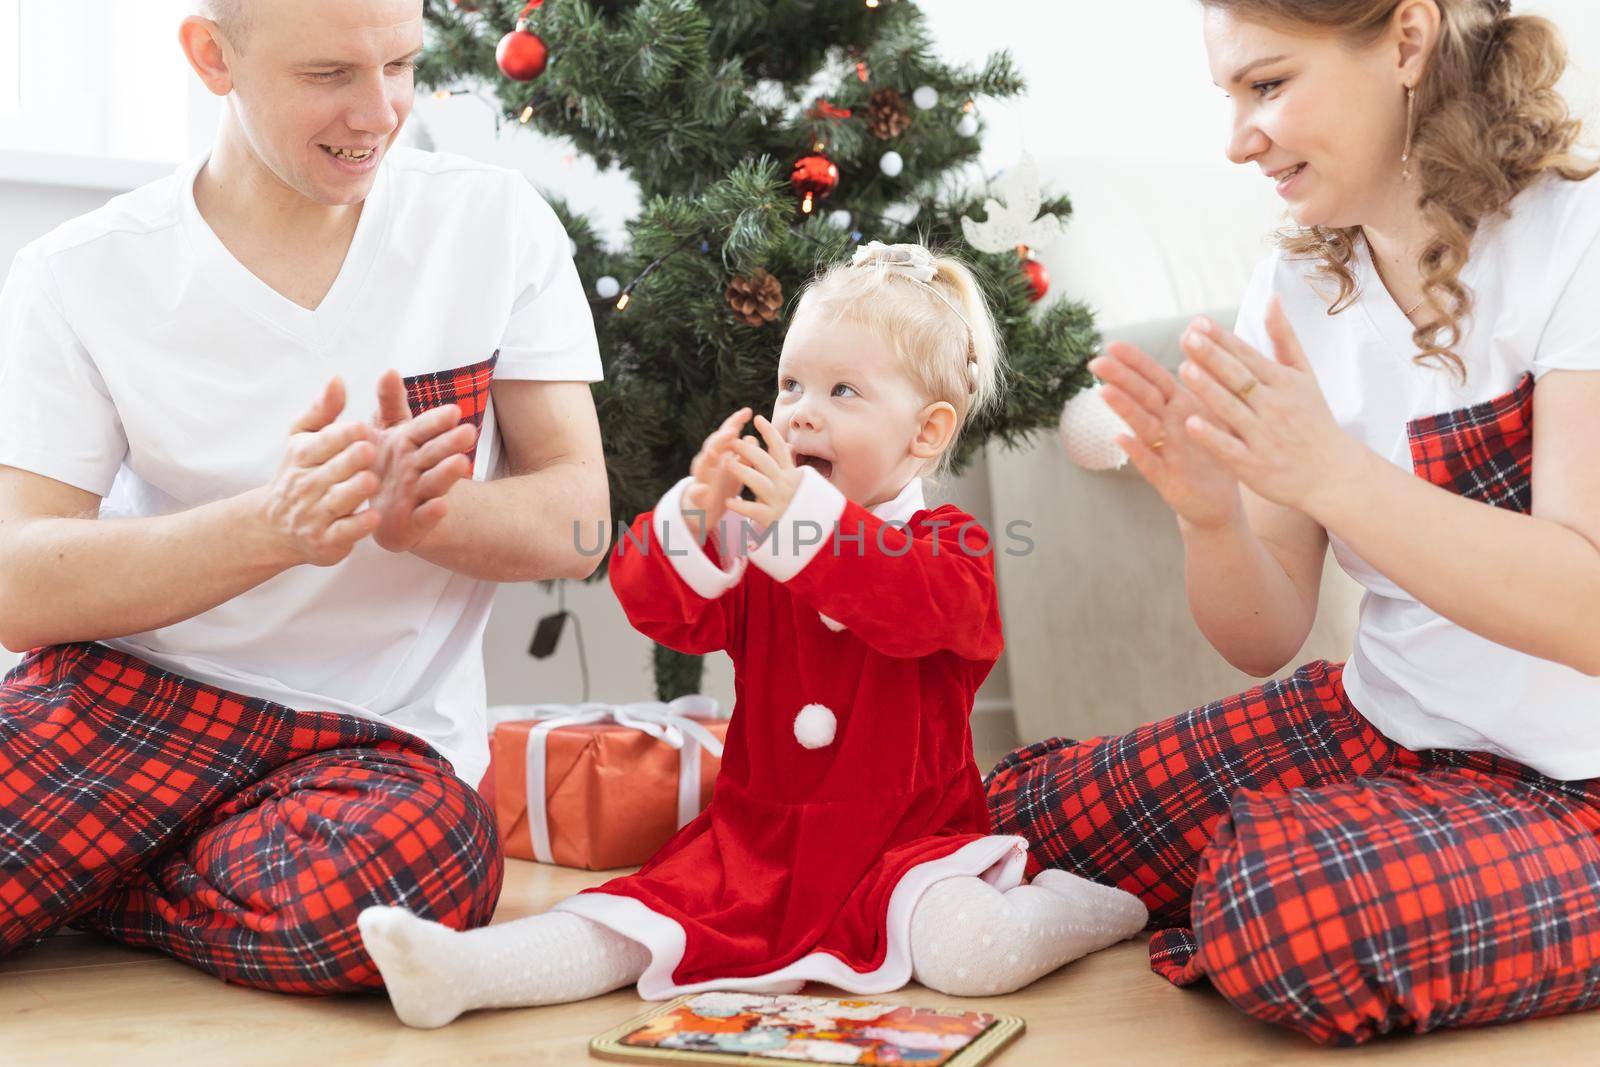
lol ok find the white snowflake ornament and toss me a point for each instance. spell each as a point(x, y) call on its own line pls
point(1012, 216)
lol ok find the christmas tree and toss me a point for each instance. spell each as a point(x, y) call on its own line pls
point(767, 138)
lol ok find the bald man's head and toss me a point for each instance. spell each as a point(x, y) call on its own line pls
point(317, 95)
point(232, 15)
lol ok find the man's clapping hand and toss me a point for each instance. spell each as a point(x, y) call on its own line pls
point(310, 506)
point(419, 459)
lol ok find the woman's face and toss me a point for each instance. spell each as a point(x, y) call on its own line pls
point(1323, 120)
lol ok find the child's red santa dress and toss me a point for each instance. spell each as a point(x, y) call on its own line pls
point(848, 785)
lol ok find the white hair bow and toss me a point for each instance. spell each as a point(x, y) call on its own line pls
point(912, 261)
point(916, 262)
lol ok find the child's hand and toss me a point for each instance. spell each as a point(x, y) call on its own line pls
point(714, 480)
point(770, 475)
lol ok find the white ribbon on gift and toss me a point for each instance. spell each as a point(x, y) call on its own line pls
point(668, 723)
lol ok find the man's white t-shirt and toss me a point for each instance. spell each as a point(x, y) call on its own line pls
point(141, 362)
point(1535, 276)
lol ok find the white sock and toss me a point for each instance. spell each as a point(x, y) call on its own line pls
point(968, 939)
point(434, 973)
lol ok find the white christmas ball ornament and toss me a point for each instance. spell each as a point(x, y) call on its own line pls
point(892, 164)
point(968, 126)
point(840, 220)
point(572, 247)
point(1089, 429)
point(926, 97)
point(814, 727)
point(607, 288)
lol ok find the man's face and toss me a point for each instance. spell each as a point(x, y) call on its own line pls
point(323, 88)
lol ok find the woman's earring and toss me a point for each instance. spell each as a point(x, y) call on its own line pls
point(1411, 114)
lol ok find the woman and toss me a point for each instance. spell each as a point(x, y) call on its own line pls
point(1408, 840)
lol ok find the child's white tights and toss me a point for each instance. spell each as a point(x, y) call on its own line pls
point(968, 939)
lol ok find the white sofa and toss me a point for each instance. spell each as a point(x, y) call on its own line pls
point(1098, 633)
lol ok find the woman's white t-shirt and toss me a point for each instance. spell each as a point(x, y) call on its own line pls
point(141, 362)
point(1535, 277)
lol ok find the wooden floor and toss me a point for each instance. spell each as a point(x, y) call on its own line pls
point(81, 1000)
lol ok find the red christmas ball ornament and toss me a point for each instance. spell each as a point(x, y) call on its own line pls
point(814, 178)
point(522, 55)
point(1038, 276)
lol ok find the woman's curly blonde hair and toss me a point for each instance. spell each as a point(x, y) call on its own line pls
point(1489, 122)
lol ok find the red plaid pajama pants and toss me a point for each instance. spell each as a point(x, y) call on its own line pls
point(235, 834)
point(1320, 875)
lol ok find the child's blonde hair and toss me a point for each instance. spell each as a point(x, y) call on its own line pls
point(932, 311)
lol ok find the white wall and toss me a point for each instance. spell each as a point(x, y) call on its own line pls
point(1129, 79)
point(93, 76)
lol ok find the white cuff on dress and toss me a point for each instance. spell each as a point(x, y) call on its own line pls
point(803, 530)
point(689, 559)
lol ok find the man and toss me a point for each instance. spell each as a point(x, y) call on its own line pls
point(257, 627)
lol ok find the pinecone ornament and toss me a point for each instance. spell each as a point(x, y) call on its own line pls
point(888, 115)
point(756, 300)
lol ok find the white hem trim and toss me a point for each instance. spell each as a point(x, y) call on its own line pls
point(687, 558)
point(581, 363)
point(997, 859)
point(817, 503)
point(84, 475)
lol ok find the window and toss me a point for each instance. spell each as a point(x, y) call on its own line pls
point(10, 58)
point(95, 87)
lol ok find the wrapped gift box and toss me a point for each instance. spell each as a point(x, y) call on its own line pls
point(610, 783)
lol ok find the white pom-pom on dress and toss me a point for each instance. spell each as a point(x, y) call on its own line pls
point(815, 726)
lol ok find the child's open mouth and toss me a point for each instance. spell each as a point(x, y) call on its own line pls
point(822, 466)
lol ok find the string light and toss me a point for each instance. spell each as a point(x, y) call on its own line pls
point(495, 109)
point(872, 3)
point(526, 116)
point(808, 203)
point(654, 265)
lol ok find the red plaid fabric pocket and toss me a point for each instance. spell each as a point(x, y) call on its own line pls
point(1483, 452)
point(466, 387)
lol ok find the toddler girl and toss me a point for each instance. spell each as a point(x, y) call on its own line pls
point(847, 840)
